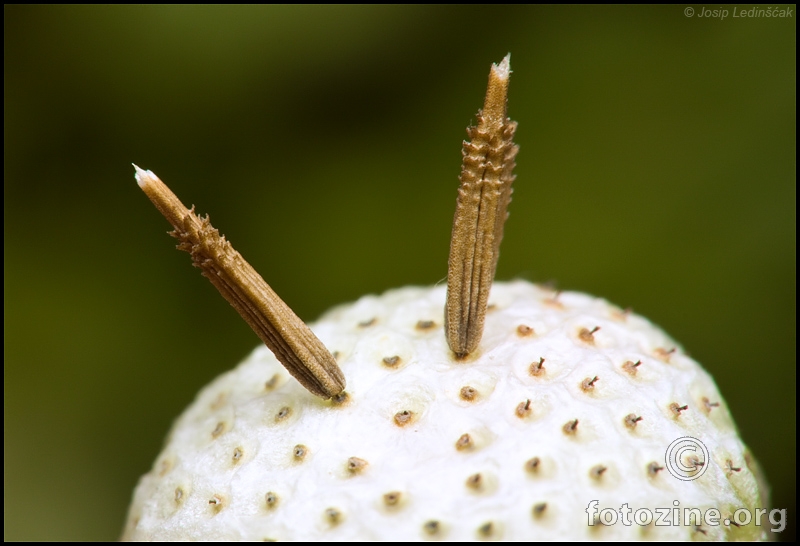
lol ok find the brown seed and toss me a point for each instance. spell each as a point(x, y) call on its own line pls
point(524, 331)
point(537, 368)
point(631, 419)
point(587, 336)
point(356, 465)
point(469, 394)
point(571, 427)
point(402, 418)
point(464, 442)
point(538, 509)
point(391, 361)
point(481, 211)
point(271, 499)
point(288, 337)
point(524, 409)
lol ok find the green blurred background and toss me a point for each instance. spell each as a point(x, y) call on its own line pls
point(657, 169)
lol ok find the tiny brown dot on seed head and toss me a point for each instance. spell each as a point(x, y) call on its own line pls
point(631, 419)
point(653, 469)
point(588, 383)
point(586, 335)
point(402, 418)
point(709, 405)
point(553, 301)
point(425, 325)
point(537, 368)
point(533, 465)
point(432, 527)
point(571, 427)
point(470, 394)
point(391, 361)
point(730, 468)
point(341, 399)
point(464, 442)
point(283, 413)
point(475, 481)
point(392, 498)
point(596, 472)
point(694, 460)
point(524, 330)
point(631, 367)
point(538, 509)
point(621, 315)
point(271, 499)
point(178, 494)
point(272, 382)
point(238, 453)
point(524, 409)
point(356, 465)
point(676, 408)
point(333, 515)
point(367, 323)
point(219, 401)
point(299, 452)
point(664, 354)
point(219, 429)
point(491, 307)
point(164, 467)
point(486, 529)
point(216, 503)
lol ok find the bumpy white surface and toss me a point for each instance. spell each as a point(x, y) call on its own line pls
point(235, 446)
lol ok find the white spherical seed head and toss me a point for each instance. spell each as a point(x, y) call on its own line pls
point(565, 410)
